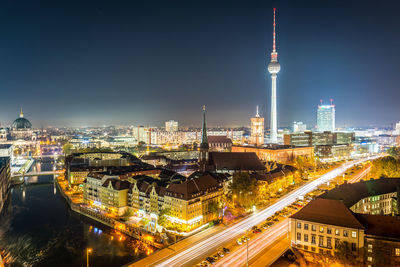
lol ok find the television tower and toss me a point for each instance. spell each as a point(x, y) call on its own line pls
point(274, 68)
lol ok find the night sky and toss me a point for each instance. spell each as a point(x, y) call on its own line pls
point(69, 63)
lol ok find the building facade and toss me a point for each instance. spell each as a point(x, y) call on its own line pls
point(326, 118)
point(257, 130)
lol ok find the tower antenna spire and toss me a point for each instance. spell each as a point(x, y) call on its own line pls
point(257, 115)
point(21, 114)
point(273, 44)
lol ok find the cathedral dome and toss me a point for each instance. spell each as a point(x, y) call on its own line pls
point(21, 123)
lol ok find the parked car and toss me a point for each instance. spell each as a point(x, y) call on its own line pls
point(220, 254)
point(239, 241)
point(226, 250)
point(210, 260)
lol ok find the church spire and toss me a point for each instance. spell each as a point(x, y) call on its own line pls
point(204, 140)
point(21, 114)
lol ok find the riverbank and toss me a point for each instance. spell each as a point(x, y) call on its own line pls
point(127, 229)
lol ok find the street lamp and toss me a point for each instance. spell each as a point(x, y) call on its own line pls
point(88, 250)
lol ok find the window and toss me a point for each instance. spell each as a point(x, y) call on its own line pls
point(313, 227)
point(353, 246)
point(305, 237)
point(313, 239)
point(321, 241)
point(353, 234)
point(299, 236)
point(299, 225)
point(337, 232)
point(337, 241)
point(329, 231)
point(370, 248)
point(329, 242)
point(345, 233)
point(369, 258)
point(306, 226)
point(312, 248)
point(397, 251)
point(321, 229)
point(305, 247)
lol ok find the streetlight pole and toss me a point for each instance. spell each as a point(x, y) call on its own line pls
point(247, 249)
point(88, 250)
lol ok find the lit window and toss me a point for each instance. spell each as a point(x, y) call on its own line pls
point(321, 229)
point(298, 225)
point(397, 251)
point(369, 259)
point(353, 234)
point(337, 232)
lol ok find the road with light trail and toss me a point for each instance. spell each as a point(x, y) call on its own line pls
point(198, 251)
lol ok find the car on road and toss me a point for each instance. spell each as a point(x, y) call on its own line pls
point(205, 263)
point(226, 250)
point(239, 241)
point(210, 260)
point(220, 254)
point(215, 257)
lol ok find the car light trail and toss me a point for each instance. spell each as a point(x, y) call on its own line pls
point(240, 228)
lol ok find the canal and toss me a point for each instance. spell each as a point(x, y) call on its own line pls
point(37, 228)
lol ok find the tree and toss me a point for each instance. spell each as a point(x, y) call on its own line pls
point(244, 189)
point(300, 164)
point(394, 152)
point(381, 253)
point(163, 217)
point(214, 208)
point(67, 148)
point(385, 167)
point(344, 254)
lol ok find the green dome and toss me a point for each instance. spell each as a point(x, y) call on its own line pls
point(21, 123)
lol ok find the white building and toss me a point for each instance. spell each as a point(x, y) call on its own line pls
point(326, 118)
point(299, 127)
point(171, 126)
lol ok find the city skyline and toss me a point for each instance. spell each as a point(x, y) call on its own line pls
point(163, 62)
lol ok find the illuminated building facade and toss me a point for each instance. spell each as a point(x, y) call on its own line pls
point(171, 126)
point(326, 118)
point(257, 130)
point(21, 129)
point(365, 220)
point(299, 126)
point(279, 153)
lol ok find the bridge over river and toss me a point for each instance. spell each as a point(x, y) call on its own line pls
point(36, 173)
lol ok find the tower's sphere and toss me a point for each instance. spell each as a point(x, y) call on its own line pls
point(274, 67)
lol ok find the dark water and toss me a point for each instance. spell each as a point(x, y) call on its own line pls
point(38, 229)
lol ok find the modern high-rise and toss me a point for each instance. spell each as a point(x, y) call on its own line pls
point(257, 130)
point(171, 126)
point(326, 118)
point(274, 67)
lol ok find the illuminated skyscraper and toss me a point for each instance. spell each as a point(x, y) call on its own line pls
point(326, 117)
point(274, 67)
point(257, 130)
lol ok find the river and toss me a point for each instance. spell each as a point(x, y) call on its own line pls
point(37, 228)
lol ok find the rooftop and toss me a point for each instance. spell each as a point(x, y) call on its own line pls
point(350, 194)
point(328, 211)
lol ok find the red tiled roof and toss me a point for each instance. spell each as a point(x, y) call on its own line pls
point(246, 161)
point(218, 139)
point(328, 211)
point(380, 225)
